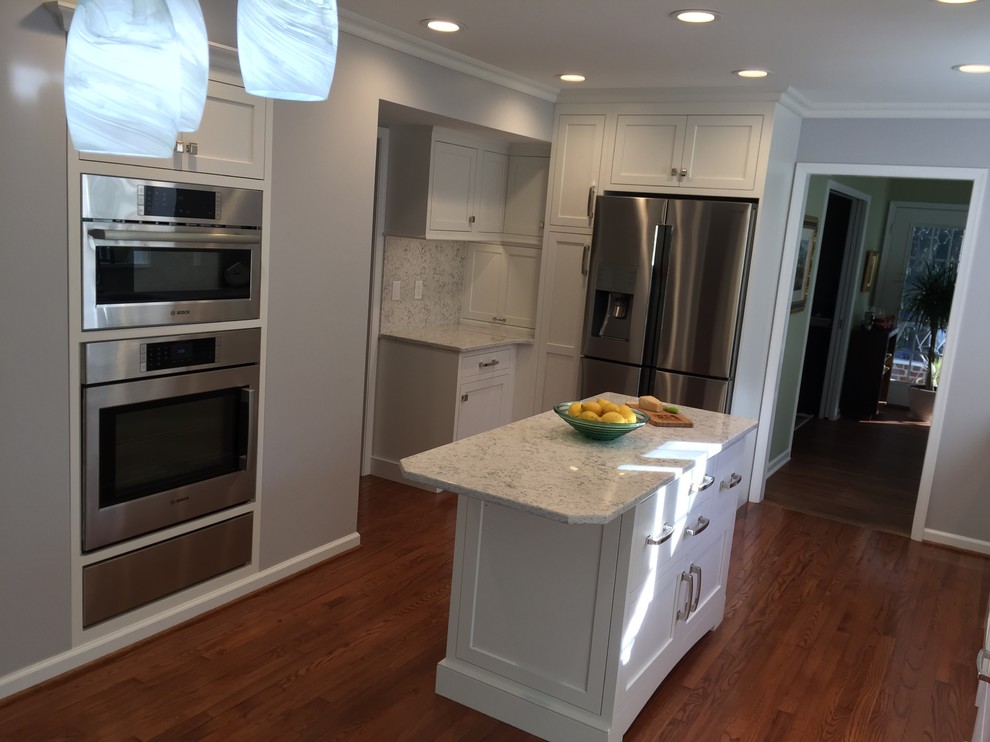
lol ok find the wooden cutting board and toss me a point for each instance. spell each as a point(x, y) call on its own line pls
point(665, 419)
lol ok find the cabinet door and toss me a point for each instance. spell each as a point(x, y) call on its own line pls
point(522, 283)
point(526, 195)
point(231, 137)
point(452, 187)
point(483, 405)
point(484, 276)
point(578, 145)
point(489, 206)
point(722, 152)
point(565, 265)
point(647, 150)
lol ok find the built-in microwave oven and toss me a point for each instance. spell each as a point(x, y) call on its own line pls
point(164, 253)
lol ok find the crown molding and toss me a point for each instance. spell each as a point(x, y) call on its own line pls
point(356, 25)
point(808, 109)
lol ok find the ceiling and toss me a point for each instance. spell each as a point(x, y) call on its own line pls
point(831, 56)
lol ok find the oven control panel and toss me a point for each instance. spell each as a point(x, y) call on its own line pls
point(179, 353)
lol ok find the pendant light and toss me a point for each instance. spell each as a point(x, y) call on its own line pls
point(122, 89)
point(287, 48)
point(194, 51)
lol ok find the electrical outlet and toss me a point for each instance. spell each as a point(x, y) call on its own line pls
point(396, 287)
point(419, 289)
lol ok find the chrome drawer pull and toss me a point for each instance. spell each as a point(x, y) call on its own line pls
point(734, 480)
point(707, 482)
point(665, 534)
point(493, 362)
point(701, 525)
point(683, 613)
point(695, 570)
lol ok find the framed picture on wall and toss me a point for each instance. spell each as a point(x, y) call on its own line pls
point(805, 260)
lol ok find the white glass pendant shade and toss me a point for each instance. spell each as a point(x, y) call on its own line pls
point(122, 78)
point(194, 51)
point(287, 48)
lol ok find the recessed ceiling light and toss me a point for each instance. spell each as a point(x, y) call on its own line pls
point(956, 2)
point(571, 77)
point(441, 25)
point(974, 69)
point(752, 74)
point(695, 15)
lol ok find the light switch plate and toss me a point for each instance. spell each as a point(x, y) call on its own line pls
point(396, 287)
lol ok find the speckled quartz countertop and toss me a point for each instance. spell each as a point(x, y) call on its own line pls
point(461, 338)
point(543, 466)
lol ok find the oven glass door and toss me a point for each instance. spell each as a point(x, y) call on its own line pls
point(127, 274)
point(161, 445)
point(161, 451)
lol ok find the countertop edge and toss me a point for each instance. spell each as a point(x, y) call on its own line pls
point(494, 342)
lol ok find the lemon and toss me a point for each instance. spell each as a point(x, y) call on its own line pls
point(589, 415)
point(574, 410)
point(624, 410)
point(613, 417)
point(609, 407)
point(592, 407)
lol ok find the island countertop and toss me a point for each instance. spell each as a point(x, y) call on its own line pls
point(543, 466)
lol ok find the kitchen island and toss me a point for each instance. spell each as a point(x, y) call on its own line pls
point(583, 570)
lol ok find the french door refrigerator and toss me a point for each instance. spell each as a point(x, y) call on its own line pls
point(667, 281)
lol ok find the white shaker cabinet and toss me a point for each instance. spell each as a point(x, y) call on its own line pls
point(501, 284)
point(576, 164)
point(426, 396)
point(564, 281)
point(526, 195)
point(445, 185)
point(718, 152)
point(230, 140)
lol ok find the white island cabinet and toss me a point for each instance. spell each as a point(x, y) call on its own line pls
point(583, 570)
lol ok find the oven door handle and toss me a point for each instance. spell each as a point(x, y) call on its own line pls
point(249, 421)
point(133, 235)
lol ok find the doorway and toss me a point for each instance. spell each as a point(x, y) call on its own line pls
point(782, 444)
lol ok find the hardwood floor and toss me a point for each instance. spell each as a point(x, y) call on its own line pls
point(832, 632)
point(864, 472)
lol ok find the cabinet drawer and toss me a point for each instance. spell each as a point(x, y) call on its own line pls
point(489, 362)
point(656, 519)
point(734, 470)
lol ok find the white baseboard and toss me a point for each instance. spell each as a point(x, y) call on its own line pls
point(778, 461)
point(104, 645)
point(956, 541)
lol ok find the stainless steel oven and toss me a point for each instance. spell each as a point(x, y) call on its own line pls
point(163, 253)
point(169, 431)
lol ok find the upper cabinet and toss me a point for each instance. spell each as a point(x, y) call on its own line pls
point(501, 284)
point(706, 151)
point(445, 184)
point(230, 139)
point(577, 161)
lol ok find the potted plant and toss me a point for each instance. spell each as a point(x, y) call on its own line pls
point(927, 301)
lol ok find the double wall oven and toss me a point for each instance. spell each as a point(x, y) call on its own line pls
point(169, 422)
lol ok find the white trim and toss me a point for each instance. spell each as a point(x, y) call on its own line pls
point(802, 174)
point(92, 650)
point(965, 543)
point(778, 462)
point(377, 33)
point(808, 109)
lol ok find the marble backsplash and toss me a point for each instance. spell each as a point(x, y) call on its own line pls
point(439, 264)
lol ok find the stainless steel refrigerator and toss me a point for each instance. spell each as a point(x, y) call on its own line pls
point(667, 282)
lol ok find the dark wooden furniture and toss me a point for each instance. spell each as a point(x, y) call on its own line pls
point(869, 361)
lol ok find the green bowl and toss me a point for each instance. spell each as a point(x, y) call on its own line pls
point(596, 430)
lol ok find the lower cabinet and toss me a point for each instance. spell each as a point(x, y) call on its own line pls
point(427, 396)
point(566, 630)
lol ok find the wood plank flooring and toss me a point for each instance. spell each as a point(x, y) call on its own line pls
point(864, 472)
point(832, 632)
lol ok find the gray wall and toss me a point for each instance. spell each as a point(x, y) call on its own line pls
point(959, 504)
point(34, 373)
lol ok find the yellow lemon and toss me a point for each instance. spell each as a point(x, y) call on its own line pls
point(574, 410)
point(592, 407)
point(624, 410)
point(589, 415)
point(630, 418)
point(609, 407)
point(613, 417)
